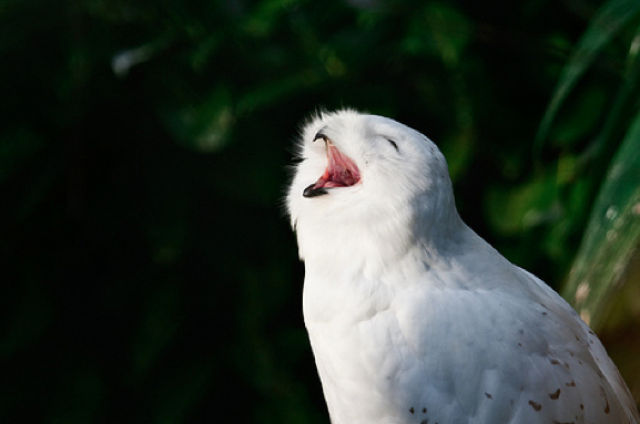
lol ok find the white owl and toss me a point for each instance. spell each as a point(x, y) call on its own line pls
point(415, 319)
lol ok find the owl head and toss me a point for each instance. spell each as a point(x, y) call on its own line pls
point(368, 179)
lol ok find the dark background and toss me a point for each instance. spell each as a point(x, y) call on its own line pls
point(148, 270)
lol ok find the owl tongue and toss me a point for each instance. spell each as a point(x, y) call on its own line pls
point(341, 172)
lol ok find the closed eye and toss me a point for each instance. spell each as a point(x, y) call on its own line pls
point(393, 143)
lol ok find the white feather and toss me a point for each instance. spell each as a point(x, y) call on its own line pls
point(412, 317)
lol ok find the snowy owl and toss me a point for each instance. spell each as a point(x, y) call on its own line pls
point(412, 317)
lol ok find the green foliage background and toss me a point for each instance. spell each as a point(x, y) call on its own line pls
point(149, 274)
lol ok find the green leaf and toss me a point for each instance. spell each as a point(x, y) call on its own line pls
point(438, 29)
point(612, 236)
point(203, 126)
point(510, 211)
point(602, 147)
point(609, 20)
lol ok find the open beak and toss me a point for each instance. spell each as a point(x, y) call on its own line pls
point(341, 171)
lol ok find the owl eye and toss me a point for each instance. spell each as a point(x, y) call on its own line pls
point(393, 143)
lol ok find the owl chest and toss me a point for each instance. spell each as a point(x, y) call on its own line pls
point(353, 328)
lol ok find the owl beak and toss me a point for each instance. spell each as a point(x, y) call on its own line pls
point(313, 191)
point(341, 171)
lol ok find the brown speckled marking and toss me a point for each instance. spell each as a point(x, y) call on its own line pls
point(519, 344)
point(424, 422)
point(535, 406)
point(412, 410)
point(555, 395)
point(570, 384)
point(424, 410)
point(554, 362)
point(606, 408)
point(488, 395)
point(544, 313)
point(581, 406)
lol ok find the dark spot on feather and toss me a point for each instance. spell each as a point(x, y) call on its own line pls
point(581, 406)
point(412, 410)
point(424, 422)
point(488, 395)
point(424, 410)
point(544, 313)
point(521, 331)
point(520, 344)
point(570, 384)
point(606, 408)
point(554, 362)
point(535, 406)
point(555, 395)
point(563, 422)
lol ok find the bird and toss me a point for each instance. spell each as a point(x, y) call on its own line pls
point(412, 317)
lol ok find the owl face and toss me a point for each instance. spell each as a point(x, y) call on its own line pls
point(349, 157)
point(363, 176)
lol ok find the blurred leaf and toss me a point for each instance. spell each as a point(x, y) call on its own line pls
point(624, 99)
point(459, 149)
point(124, 60)
point(610, 19)
point(441, 29)
point(611, 236)
point(204, 126)
point(582, 119)
point(203, 51)
point(275, 91)
point(513, 210)
point(264, 18)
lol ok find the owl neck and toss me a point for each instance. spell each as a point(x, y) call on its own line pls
point(372, 240)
